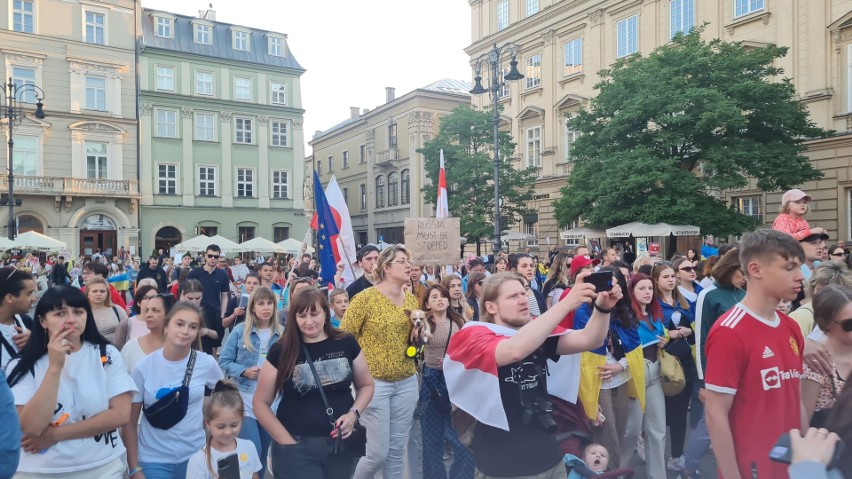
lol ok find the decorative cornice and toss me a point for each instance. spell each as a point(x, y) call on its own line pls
point(24, 58)
point(187, 112)
point(225, 115)
point(84, 67)
point(748, 19)
point(262, 120)
point(596, 16)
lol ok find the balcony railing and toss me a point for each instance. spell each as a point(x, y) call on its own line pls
point(391, 154)
point(57, 185)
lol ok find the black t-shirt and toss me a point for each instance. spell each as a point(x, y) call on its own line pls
point(357, 286)
point(524, 449)
point(232, 305)
point(301, 410)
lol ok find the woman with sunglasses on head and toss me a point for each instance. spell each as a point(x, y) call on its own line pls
point(474, 293)
point(153, 310)
point(687, 284)
point(72, 392)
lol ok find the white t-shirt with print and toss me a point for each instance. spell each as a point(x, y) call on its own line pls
point(85, 387)
point(153, 374)
point(132, 353)
point(8, 331)
point(247, 453)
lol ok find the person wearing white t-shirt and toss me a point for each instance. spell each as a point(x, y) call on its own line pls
point(72, 393)
point(153, 310)
point(163, 453)
point(17, 296)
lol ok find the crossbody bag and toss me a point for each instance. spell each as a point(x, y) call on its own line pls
point(171, 408)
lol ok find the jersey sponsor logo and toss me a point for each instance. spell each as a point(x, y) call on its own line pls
point(767, 353)
point(794, 346)
point(772, 377)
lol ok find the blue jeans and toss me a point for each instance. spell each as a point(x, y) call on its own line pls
point(437, 427)
point(252, 431)
point(156, 470)
point(696, 446)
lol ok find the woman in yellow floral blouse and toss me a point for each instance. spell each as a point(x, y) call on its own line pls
point(377, 319)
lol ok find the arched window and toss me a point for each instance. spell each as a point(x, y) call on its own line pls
point(380, 192)
point(405, 187)
point(29, 223)
point(393, 189)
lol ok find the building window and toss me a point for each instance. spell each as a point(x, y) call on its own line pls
point(276, 46)
point(167, 123)
point(23, 16)
point(246, 233)
point(96, 93)
point(242, 88)
point(380, 192)
point(245, 183)
point(574, 56)
point(405, 187)
point(280, 185)
point(502, 14)
point(392, 136)
point(96, 160)
point(532, 7)
point(319, 168)
point(346, 196)
point(362, 153)
point(208, 230)
point(25, 156)
point(278, 93)
point(744, 7)
point(206, 181)
point(202, 33)
point(25, 76)
point(533, 75)
point(241, 41)
point(164, 27)
point(280, 233)
point(751, 206)
point(166, 78)
point(627, 36)
point(529, 228)
point(504, 89)
point(393, 189)
point(534, 147)
point(95, 28)
point(166, 179)
point(362, 195)
point(243, 130)
point(205, 127)
point(203, 83)
point(345, 160)
point(683, 16)
point(331, 164)
point(280, 131)
point(570, 137)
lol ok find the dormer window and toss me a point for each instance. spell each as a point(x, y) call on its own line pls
point(276, 46)
point(241, 40)
point(202, 32)
point(164, 27)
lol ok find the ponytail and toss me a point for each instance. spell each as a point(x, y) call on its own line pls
point(225, 396)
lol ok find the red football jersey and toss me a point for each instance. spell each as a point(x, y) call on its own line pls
point(760, 363)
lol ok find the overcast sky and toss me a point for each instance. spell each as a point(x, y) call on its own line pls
point(353, 50)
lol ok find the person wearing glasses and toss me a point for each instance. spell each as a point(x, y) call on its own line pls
point(827, 273)
point(687, 285)
point(214, 281)
point(837, 253)
point(377, 319)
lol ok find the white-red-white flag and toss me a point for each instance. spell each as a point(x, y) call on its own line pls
point(442, 209)
point(346, 239)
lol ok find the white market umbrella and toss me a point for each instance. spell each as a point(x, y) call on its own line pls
point(33, 240)
point(200, 243)
point(293, 246)
point(582, 232)
point(646, 230)
point(6, 244)
point(261, 245)
point(516, 236)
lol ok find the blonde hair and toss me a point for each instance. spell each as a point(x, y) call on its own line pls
point(260, 293)
point(829, 272)
point(385, 257)
point(225, 396)
point(642, 260)
point(100, 280)
point(491, 291)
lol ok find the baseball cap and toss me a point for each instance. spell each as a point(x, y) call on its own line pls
point(812, 238)
point(580, 262)
point(795, 195)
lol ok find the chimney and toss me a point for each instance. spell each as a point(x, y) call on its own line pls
point(365, 111)
point(208, 14)
point(353, 111)
point(390, 94)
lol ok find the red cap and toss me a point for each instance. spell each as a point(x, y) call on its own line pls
point(580, 262)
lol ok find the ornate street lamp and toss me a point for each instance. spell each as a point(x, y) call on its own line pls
point(492, 59)
point(13, 113)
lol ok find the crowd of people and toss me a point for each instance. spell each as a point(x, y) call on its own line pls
point(208, 369)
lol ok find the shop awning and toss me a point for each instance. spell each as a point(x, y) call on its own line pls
point(645, 230)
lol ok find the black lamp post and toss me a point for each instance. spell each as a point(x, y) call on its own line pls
point(495, 82)
point(13, 113)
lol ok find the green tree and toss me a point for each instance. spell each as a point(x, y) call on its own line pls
point(466, 136)
point(668, 132)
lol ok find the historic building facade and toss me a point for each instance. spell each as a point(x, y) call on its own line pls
point(75, 170)
point(563, 44)
point(221, 125)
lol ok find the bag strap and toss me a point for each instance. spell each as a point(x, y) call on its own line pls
point(189, 367)
point(115, 311)
point(328, 410)
point(8, 347)
point(450, 333)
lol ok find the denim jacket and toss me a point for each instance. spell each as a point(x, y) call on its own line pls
point(235, 357)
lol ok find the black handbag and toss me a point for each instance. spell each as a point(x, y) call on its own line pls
point(356, 444)
point(171, 408)
point(440, 401)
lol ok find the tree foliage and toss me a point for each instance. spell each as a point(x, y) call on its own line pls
point(466, 136)
point(668, 132)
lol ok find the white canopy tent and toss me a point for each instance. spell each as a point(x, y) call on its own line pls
point(293, 246)
point(6, 244)
point(33, 240)
point(516, 236)
point(261, 245)
point(200, 243)
point(645, 230)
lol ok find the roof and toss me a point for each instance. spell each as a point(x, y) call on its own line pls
point(183, 41)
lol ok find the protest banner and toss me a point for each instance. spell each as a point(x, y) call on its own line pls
point(433, 241)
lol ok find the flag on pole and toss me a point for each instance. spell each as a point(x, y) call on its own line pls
point(344, 247)
point(442, 209)
point(327, 233)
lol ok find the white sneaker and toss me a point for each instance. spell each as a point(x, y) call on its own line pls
point(675, 463)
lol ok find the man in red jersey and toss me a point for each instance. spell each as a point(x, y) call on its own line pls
point(754, 361)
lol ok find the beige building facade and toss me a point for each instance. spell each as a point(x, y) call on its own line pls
point(564, 43)
point(75, 170)
point(373, 155)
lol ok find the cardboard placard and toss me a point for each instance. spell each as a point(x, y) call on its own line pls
point(433, 241)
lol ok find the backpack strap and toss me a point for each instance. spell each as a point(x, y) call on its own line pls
point(117, 317)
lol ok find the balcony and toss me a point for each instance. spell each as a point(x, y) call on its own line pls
point(386, 157)
point(57, 185)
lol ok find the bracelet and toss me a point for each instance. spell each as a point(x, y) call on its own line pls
point(134, 471)
point(602, 310)
point(357, 413)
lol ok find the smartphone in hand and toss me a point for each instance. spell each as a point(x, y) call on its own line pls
point(602, 280)
point(229, 467)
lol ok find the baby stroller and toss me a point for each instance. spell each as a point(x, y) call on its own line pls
point(574, 433)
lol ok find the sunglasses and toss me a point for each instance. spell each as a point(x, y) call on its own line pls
point(688, 269)
point(839, 255)
point(213, 256)
point(846, 325)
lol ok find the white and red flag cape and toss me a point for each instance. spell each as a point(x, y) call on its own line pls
point(442, 208)
point(470, 369)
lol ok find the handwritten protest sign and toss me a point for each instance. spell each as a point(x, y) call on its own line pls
point(433, 241)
